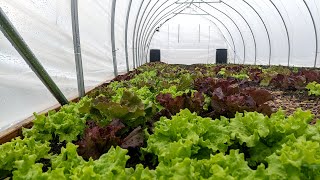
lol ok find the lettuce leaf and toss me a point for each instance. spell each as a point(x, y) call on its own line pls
point(67, 124)
point(19, 149)
point(188, 136)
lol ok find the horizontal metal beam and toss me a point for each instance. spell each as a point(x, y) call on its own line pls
point(21, 46)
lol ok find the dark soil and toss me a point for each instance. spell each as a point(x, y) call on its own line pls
point(291, 100)
point(56, 145)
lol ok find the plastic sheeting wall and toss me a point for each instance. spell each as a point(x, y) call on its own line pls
point(46, 27)
point(189, 39)
point(240, 18)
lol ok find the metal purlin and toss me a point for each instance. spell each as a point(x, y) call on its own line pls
point(113, 41)
point(243, 42)
point(234, 46)
point(126, 35)
point(265, 27)
point(77, 47)
point(315, 32)
point(149, 26)
point(254, 39)
point(140, 38)
point(134, 33)
point(285, 26)
point(151, 31)
point(23, 49)
point(137, 35)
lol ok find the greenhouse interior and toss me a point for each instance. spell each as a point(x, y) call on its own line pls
point(159, 89)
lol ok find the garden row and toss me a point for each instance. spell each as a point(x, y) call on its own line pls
point(165, 121)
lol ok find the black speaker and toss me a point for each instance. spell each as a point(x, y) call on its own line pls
point(222, 56)
point(155, 55)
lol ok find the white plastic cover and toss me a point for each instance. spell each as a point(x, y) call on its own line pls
point(46, 27)
point(242, 19)
point(189, 39)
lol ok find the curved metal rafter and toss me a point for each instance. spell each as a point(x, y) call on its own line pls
point(148, 44)
point(152, 26)
point(234, 46)
point(151, 33)
point(151, 30)
point(144, 27)
point(265, 27)
point(315, 32)
point(140, 34)
point(254, 39)
point(134, 33)
point(286, 28)
point(126, 35)
point(137, 35)
point(242, 38)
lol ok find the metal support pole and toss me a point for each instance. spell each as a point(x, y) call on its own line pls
point(315, 32)
point(178, 33)
point(285, 26)
point(265, 27)
point(209, 39)
point(20, 45)
point(254, 39)
point(113, 40)
point(77, 47)
point(126, 35)
point(199, 33)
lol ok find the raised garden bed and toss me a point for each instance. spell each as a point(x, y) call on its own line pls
point(179, 122)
